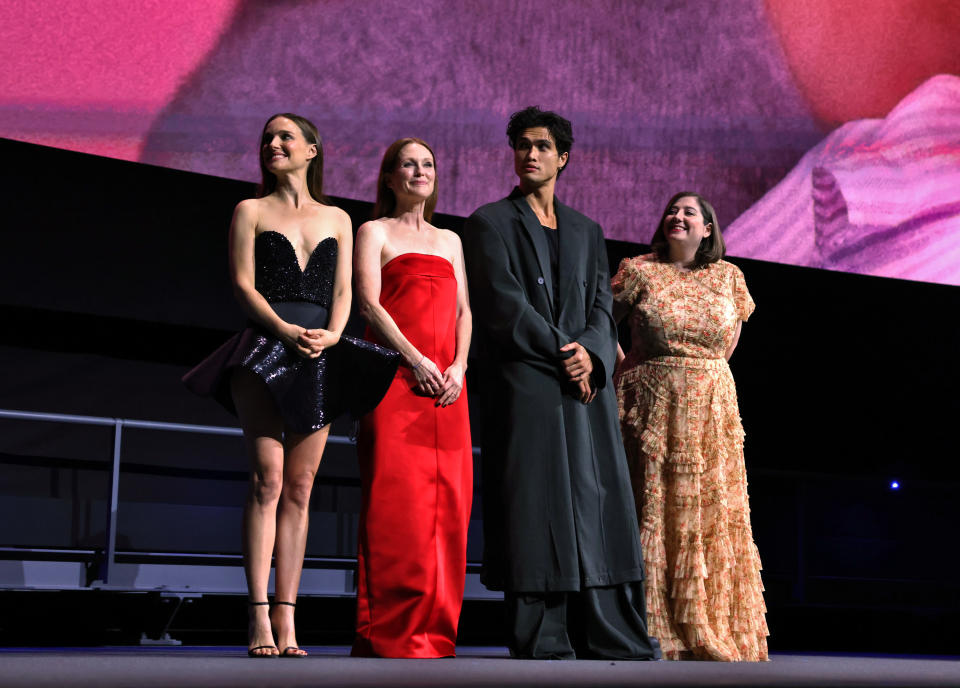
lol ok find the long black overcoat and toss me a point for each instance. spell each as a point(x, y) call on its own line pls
point(558, 511)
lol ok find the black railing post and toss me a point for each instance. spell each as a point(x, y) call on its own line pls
point(110, 549)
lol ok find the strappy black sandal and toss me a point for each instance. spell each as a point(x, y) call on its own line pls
point(291, 650)
point(252, 651)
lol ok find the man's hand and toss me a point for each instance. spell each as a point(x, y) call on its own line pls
point(578, 366)
point(586, 391)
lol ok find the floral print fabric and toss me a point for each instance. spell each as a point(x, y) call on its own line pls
point(684, 441)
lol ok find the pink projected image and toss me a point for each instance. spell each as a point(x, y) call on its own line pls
point(91, 75)
point(878, 197)
point(817, 148)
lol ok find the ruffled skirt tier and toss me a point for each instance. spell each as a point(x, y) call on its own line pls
point(684, 443)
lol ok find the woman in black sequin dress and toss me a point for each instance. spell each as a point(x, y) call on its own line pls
point(291, 372)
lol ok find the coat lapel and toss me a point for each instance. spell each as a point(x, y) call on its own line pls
point(532, 227)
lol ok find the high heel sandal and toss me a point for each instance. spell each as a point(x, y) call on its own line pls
point(252, 651)
point(296, 651)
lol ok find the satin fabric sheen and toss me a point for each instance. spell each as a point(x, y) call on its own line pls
point(416, 463)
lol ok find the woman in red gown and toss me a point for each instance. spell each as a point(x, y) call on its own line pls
point(416, 459)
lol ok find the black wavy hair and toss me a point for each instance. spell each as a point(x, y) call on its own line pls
point(559, 127)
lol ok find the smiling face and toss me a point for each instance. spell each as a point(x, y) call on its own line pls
point(415, 174)
point(683, 223)
point(535, 158)
point(284, 147)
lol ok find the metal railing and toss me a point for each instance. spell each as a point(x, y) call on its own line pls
point(108, 558)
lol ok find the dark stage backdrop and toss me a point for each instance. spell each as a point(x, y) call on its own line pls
point(113, 282)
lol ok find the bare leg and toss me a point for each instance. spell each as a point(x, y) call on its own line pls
point(303, 459)
point(262, 433)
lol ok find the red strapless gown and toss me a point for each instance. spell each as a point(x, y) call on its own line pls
point(416, 463)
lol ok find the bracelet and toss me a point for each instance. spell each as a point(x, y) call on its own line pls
point(422, 356)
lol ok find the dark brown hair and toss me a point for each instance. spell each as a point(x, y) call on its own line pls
point(712, 248)
point(268, 180)
point(386, 201)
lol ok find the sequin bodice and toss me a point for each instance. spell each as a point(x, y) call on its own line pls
point(278, 275)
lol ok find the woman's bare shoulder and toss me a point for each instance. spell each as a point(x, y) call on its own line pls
point(450, 237)
point(246, 216)
point(374, 227)
point(248, 206)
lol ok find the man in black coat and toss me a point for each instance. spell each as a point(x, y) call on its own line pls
point(560, 527)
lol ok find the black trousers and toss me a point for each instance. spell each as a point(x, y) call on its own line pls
point(594, 623)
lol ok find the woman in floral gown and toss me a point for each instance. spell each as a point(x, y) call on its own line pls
point(684, 441)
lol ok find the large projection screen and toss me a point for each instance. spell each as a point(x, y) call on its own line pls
point(826, 133)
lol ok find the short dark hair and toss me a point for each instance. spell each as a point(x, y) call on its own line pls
point(559, 127)
point(712, 248)
point(268, 181)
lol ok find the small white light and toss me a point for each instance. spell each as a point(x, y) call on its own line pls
point(894, 485)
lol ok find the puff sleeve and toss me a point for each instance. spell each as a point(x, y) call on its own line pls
point(741, 297)
point(626, 284)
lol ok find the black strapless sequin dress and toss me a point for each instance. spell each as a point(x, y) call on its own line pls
point(351, 377)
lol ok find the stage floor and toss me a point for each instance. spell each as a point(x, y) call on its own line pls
point(474, 667)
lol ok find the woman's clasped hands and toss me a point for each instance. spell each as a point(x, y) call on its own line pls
point(446, 386)
point(306, 342)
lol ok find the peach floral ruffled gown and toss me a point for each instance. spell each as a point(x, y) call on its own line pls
point(684, 442)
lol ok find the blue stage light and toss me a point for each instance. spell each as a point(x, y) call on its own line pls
point(894, 485)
